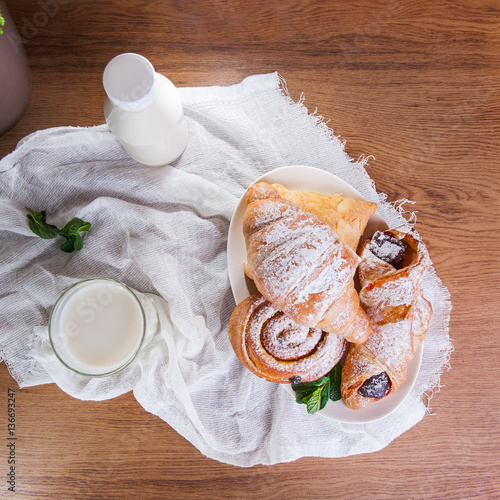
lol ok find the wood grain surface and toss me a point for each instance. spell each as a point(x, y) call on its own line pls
point(413, 83)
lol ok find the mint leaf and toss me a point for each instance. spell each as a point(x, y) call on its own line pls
point(335, 378)
point(309, 385)
point(70, 232)
point(325, 394)
point(300, 395)
point(37, 222)
point(313, 401)
point(78, 245)
point(2, 22)
point(316, 394)
point(73, 226)
point(84, 226)
point(313, 394)
point(69, 245)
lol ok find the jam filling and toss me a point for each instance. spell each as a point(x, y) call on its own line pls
point(376, 386)
point(388, 248)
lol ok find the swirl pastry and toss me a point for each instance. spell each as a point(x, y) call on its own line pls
point(274, 347)
point(299, 265)
point(391, 271)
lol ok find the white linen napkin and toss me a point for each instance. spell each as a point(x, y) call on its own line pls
point(163, 232)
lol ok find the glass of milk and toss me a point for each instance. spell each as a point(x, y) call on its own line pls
point(97, 326)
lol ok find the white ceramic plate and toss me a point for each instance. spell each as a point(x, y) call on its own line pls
point(310, 178)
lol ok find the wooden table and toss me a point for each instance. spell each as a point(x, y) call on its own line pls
point(416, 85)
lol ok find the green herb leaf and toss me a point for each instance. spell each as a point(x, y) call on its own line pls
point(316, 394)
point(73, 226)
point(313, 401)
point(335, 378)
point(73, 242)
point(309, 385)
point(78, 242)
point(2, 22)
point(37, 223)
point(301, 395)
point(84, 226)
point(69, 245)
point(325, 394)
point(70, 232)
point(313, 394)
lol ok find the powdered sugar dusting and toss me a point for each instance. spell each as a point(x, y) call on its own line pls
point(391, 344)
point(400, 317)
point(388, 253)
point(279, 349)
point(388, 248)
point(296, 261)
point(263, 212)
point(390, 293)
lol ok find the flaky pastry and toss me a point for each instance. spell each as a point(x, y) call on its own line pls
point(300, 266)
point(393, 265)
point(347, 216)
point(274, 347)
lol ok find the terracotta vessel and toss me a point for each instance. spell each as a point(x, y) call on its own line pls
point(15, 74)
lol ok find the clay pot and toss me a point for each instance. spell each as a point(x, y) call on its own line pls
point(15, 79)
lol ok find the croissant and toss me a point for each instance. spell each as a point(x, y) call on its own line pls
point(348, 217)
point(391, 271)
point(275, 348)
point(299, 265)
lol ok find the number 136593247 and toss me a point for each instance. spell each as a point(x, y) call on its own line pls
point(11, 439)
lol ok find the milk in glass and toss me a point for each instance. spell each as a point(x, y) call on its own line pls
point(97, 326)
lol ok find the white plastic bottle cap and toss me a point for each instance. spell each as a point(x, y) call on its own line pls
point(129, 81)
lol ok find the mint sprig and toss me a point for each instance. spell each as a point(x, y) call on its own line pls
point(2, 22)
point(316, 394)
point(37, 222)
point(335, 378)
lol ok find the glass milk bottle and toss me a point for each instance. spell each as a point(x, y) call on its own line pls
point(144, 111)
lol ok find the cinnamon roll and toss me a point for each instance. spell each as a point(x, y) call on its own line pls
point(274, 347)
